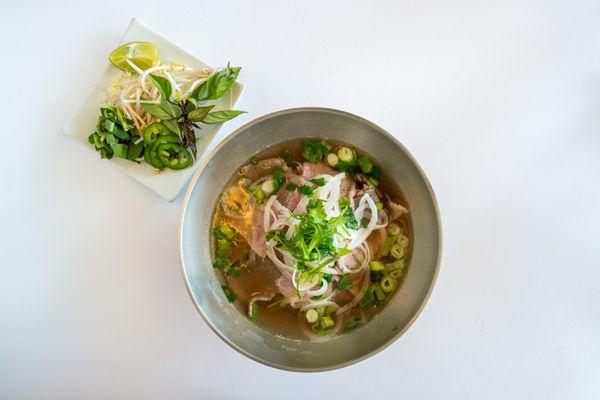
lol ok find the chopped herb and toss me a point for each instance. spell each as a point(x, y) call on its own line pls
point(395, 328)
point(306, 190)
point(318, 181)
point(344, 202)
point(328, 277)
point(376, 276)
point(278, 179)
point(352, 324)
point(314, 151)
point(345, 283)
point(351, 221)
point(253, 160)
point(365, 164)
point(317, 297)
point(254, 312)
point(228, 293)
point(379, 206)
point(223, 244)
point(288, 156)
point(226, 230)
point(290, 187)
point(258, 194)
point(221, 261)
point(376, 172)
point(367, 300)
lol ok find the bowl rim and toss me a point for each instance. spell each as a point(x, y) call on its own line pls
point(242, 128)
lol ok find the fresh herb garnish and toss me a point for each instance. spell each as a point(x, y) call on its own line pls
point(291, 187)
point(278, 179)
point(305, 189)
point(314, 151)
point(352, 324)
point(228, 293)
point(345, 283)
point(115, 136)
point(253, 160)
point(318, 181)
point(368, 300)
point(182, 116)
point(254, 312)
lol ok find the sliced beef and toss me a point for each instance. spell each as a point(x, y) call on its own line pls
point(263, 167)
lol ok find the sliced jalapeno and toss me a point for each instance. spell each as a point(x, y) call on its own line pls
point(151, 153)
point(152, 131)
point(174, 155)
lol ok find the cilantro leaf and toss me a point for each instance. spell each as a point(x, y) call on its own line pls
point(318, 181)
point(228, 293)
point(345, 283)
point(306, 190)
point(314, 151)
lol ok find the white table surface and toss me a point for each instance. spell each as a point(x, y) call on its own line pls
point(500, 103)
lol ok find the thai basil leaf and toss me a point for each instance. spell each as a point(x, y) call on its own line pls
point(164, 88)
point(163, 85)
point(218, 117)
point(173, 126)
point(199, 113)
point(217, 85)
point(157, 111)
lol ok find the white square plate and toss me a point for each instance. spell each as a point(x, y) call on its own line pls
point(167, 183)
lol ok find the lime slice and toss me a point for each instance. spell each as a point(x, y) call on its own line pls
point(142, 54)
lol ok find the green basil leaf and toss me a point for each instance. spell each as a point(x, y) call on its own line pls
point(199, 113)
point(173, 126)
point(157, 111)
point(218, 84)
point(163, 85)
point(218, 117)
point(165, 89)
point(119, 149)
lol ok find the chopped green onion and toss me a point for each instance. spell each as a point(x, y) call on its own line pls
point(267, 187)
point(330, 310)
point(379, 206)
point(258, 194)
point(312, 316)
point(396, 273)
point(327, 322)
point(388, 283)
point(226, 230)
point(345, 283)
point(253, 160)
point(332, 159)
point(403, 240)
point(376, 172)
point(345, 154)
point(223, 244)
point(376, 266)
point(397, 264)
point(228, 293)
point(397, 251)
point(378, 292)
point(368, 300)
point(352, 324)
point(320, 310)
point(393, 229)
point(254, 312)
point(387, 245)
point(365, 164)
point(374, 181)
point(291, 187)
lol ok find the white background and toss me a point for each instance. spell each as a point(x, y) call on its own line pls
point(500, 103)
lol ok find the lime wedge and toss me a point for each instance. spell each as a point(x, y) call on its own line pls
point(142, 54)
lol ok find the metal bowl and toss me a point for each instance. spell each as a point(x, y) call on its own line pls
point(204, 286)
